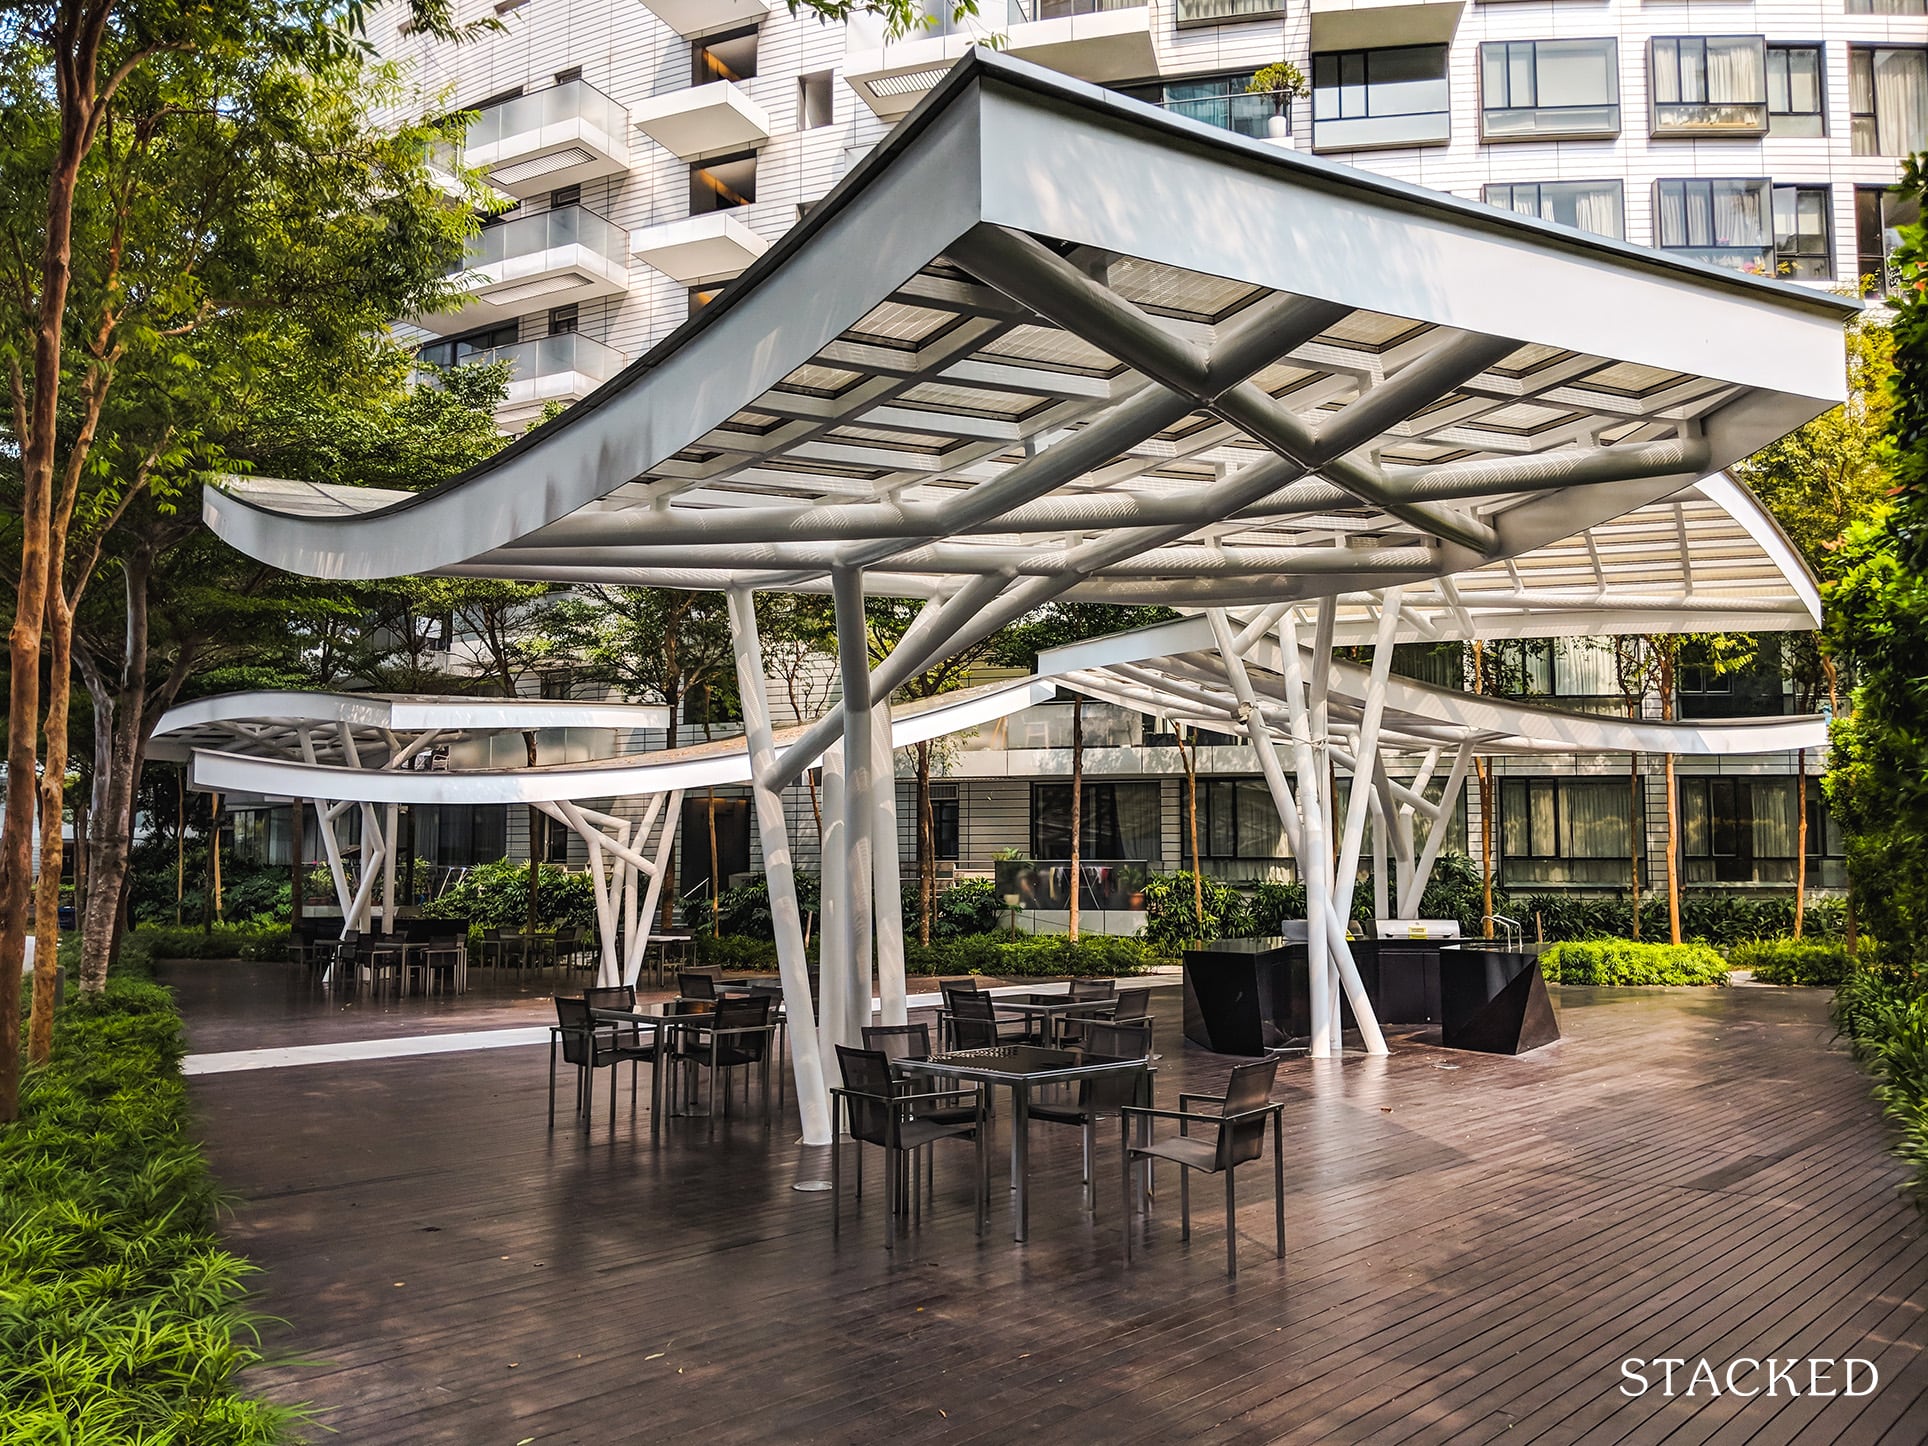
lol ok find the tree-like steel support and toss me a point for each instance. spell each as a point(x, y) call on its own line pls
point(786, 920)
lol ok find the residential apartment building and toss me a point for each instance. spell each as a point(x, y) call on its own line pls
point(653, 149)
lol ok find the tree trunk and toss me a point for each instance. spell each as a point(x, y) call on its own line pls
point(926, 845)
point(53, 810)
point(1635, 840)
point(1077, 811)
point(1483, 771)
point(716, 884)
point(1800, 835)
point(538, 843)
point(298, 872)
point(37, 444)
point(1190, 759)
point(211, 913)
point(1673, 803)
point(180, 843)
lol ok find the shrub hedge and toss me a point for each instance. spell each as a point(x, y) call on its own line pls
point(121, 1317)
point(1883, 1011)
point(223, 941)
point(1027, 956)
point(1793, 961)
point(1620, 961)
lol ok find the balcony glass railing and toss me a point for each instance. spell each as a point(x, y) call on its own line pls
point(549, 356)
point(1028, 10)
point(1048, 725)
point(1754, 260)
point(1225, 12)
point(1688, 118)
point(1522, 122)
point(530, 235)
point(576, 100)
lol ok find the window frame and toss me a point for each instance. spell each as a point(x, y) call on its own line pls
point(1819, 114)
point(1323, 59)
point(1692, 250)
point(1787, 263)
point(1868, 123)
point(1658, 125)
point(1615, 184)
point(1537, 107)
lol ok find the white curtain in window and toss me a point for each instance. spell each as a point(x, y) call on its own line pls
point(1738, 215)
point(1585, 666)
point(1596, 819)
point(1901, 101)
point(1672, 222)
point(1260, 834)
point(1737, 70)
point(1598, 210)
point(1777, 823)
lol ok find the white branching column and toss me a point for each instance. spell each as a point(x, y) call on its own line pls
point(884, 867)
point(833, 924)
point(1311, 851)
point(773, 831)
point(859, 810)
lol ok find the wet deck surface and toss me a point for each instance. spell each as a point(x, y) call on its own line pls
point(1475, 1244)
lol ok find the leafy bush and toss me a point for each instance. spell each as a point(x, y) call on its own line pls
point(223, 941)
point(1793, 961)
point(733, 952)
point(121, 1317)
point(1883, 1010)
point(967, 907)
point(1090, 956)
point(1172, 919)
point(1620, 961)
point(496, 896)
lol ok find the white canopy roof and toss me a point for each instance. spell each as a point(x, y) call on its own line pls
point(1172, 365)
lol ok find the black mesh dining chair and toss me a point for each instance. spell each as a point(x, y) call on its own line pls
point(874, 1109)
point(696, 984)
point(1239, 1120)
point(1101, 1096)
point(739, 1038)
point(590, 1046)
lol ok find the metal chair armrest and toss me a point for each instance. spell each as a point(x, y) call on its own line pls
point(1152, 1112)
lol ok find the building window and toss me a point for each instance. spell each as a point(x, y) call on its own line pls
point(944, 821)
point(1803, 249)
point(1573, 668)
point(1219, 100)
point(723, 184)
point(1238, 820)
point(1879, 215)
point(1713, 84)
point(573, 72)
point(731, 56)
point(458, 351)
point(563, 319)
point(1118, 821)
point(1227, 12)
point(1794, 105)
point(1595, 206)
point(1888, 100)
point(1441, 664)
point(1722, 222)
point(1533, 89)
point(1565, 830)
point(1367, 98)
point(815, 100)
point(1887, 7)
point(702, 296)
point(565, 196)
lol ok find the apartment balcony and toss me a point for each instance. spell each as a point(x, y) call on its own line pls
point(562, 369)
point(704, 121)
point(692, 19)
point(1376, 24)
point(1096, 40)
point(566, 255)
point(561, 136)
point(699, 249)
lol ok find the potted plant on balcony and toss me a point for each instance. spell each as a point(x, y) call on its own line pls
point(1280, 81)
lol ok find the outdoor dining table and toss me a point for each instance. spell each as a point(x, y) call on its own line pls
point(1055, 1011)
point(665, 1027)
point(1021, 1068)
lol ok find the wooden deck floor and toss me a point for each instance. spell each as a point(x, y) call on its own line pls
point(1475, 1244)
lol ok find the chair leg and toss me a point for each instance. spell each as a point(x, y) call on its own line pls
point(612, 1097)
point(1184, 1203)
point(1278, 1178)
point(836, 1167)
point(1231, 1225)
point(552, 1081)
point(1124, 1155)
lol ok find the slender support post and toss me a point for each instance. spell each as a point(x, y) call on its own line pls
point(646, 918)
point(853, 662)
point(609, 969)
point(1381, 861)
point(1326, 616)
point(833, 928)
point(1436, 835)
point(1366, 754)
point(1311, 850)
point(391, 837)
point(330, 840)
point(885, 868)
point(786, 921)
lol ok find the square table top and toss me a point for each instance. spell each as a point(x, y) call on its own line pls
point(1015, 1062)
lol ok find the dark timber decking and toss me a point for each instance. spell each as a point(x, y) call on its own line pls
point(1475, 1244)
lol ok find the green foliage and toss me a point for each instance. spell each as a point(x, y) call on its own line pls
point(223, 941)
point(970, 906)
point(121, 1317)
point(1620, 961)
point(1172, 919)
point(496, 896)
point(1036, 956)
point(1793, 961)
point(1280, 78)
point(730, 951)
point(1882, 1008)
